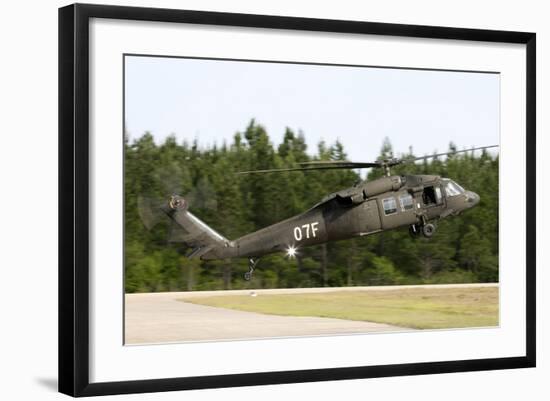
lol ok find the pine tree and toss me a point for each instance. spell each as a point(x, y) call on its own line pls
point(464, 249)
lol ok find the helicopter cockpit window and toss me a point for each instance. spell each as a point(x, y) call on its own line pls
point(406, 201)
point(453, 189)
point(390, 206)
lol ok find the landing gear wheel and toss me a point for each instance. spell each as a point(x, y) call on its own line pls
point(428, 230)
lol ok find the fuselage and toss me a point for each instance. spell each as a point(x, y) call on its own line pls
point(367, 208)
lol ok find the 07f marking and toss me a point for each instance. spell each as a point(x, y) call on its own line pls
point(308, 229)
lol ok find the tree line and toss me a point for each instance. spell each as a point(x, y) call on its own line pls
point(464, 248)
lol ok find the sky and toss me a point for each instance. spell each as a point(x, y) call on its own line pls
point(210, 100)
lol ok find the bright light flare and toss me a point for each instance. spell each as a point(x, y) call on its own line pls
point(291, 251)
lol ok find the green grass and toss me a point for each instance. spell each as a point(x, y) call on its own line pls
point(418, 308)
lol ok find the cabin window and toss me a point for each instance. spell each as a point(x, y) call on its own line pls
point(406, 201)
point(390, 206)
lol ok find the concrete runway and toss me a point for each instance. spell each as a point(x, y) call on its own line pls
point(163, 318)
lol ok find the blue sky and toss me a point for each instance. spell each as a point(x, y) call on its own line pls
point(212, 99)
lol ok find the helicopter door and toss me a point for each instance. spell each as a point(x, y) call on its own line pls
point(431, 196)
point(371, 216)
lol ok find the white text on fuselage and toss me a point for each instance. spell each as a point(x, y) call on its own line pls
point(306, 231)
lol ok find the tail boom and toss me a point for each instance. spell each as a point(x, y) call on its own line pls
point(192, 231)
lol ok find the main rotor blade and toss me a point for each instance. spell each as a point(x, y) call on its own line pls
point(347, 165)
point(340, 163)
point(445, 154)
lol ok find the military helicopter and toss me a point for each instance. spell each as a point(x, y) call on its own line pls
point(369, 207)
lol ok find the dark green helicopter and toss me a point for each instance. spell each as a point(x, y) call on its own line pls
point(369, 207)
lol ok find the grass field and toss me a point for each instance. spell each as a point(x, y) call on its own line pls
point(419, 308)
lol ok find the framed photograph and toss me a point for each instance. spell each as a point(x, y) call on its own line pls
point(253, 199)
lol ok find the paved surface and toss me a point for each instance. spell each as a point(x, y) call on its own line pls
point(163, 317)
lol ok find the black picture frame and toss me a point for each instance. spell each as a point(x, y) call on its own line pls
point(74, 198)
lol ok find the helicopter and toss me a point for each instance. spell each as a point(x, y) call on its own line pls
point(368, 207)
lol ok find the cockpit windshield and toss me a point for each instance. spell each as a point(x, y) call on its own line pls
point(453, 189)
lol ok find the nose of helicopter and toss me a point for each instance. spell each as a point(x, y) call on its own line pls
point(472, 198)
